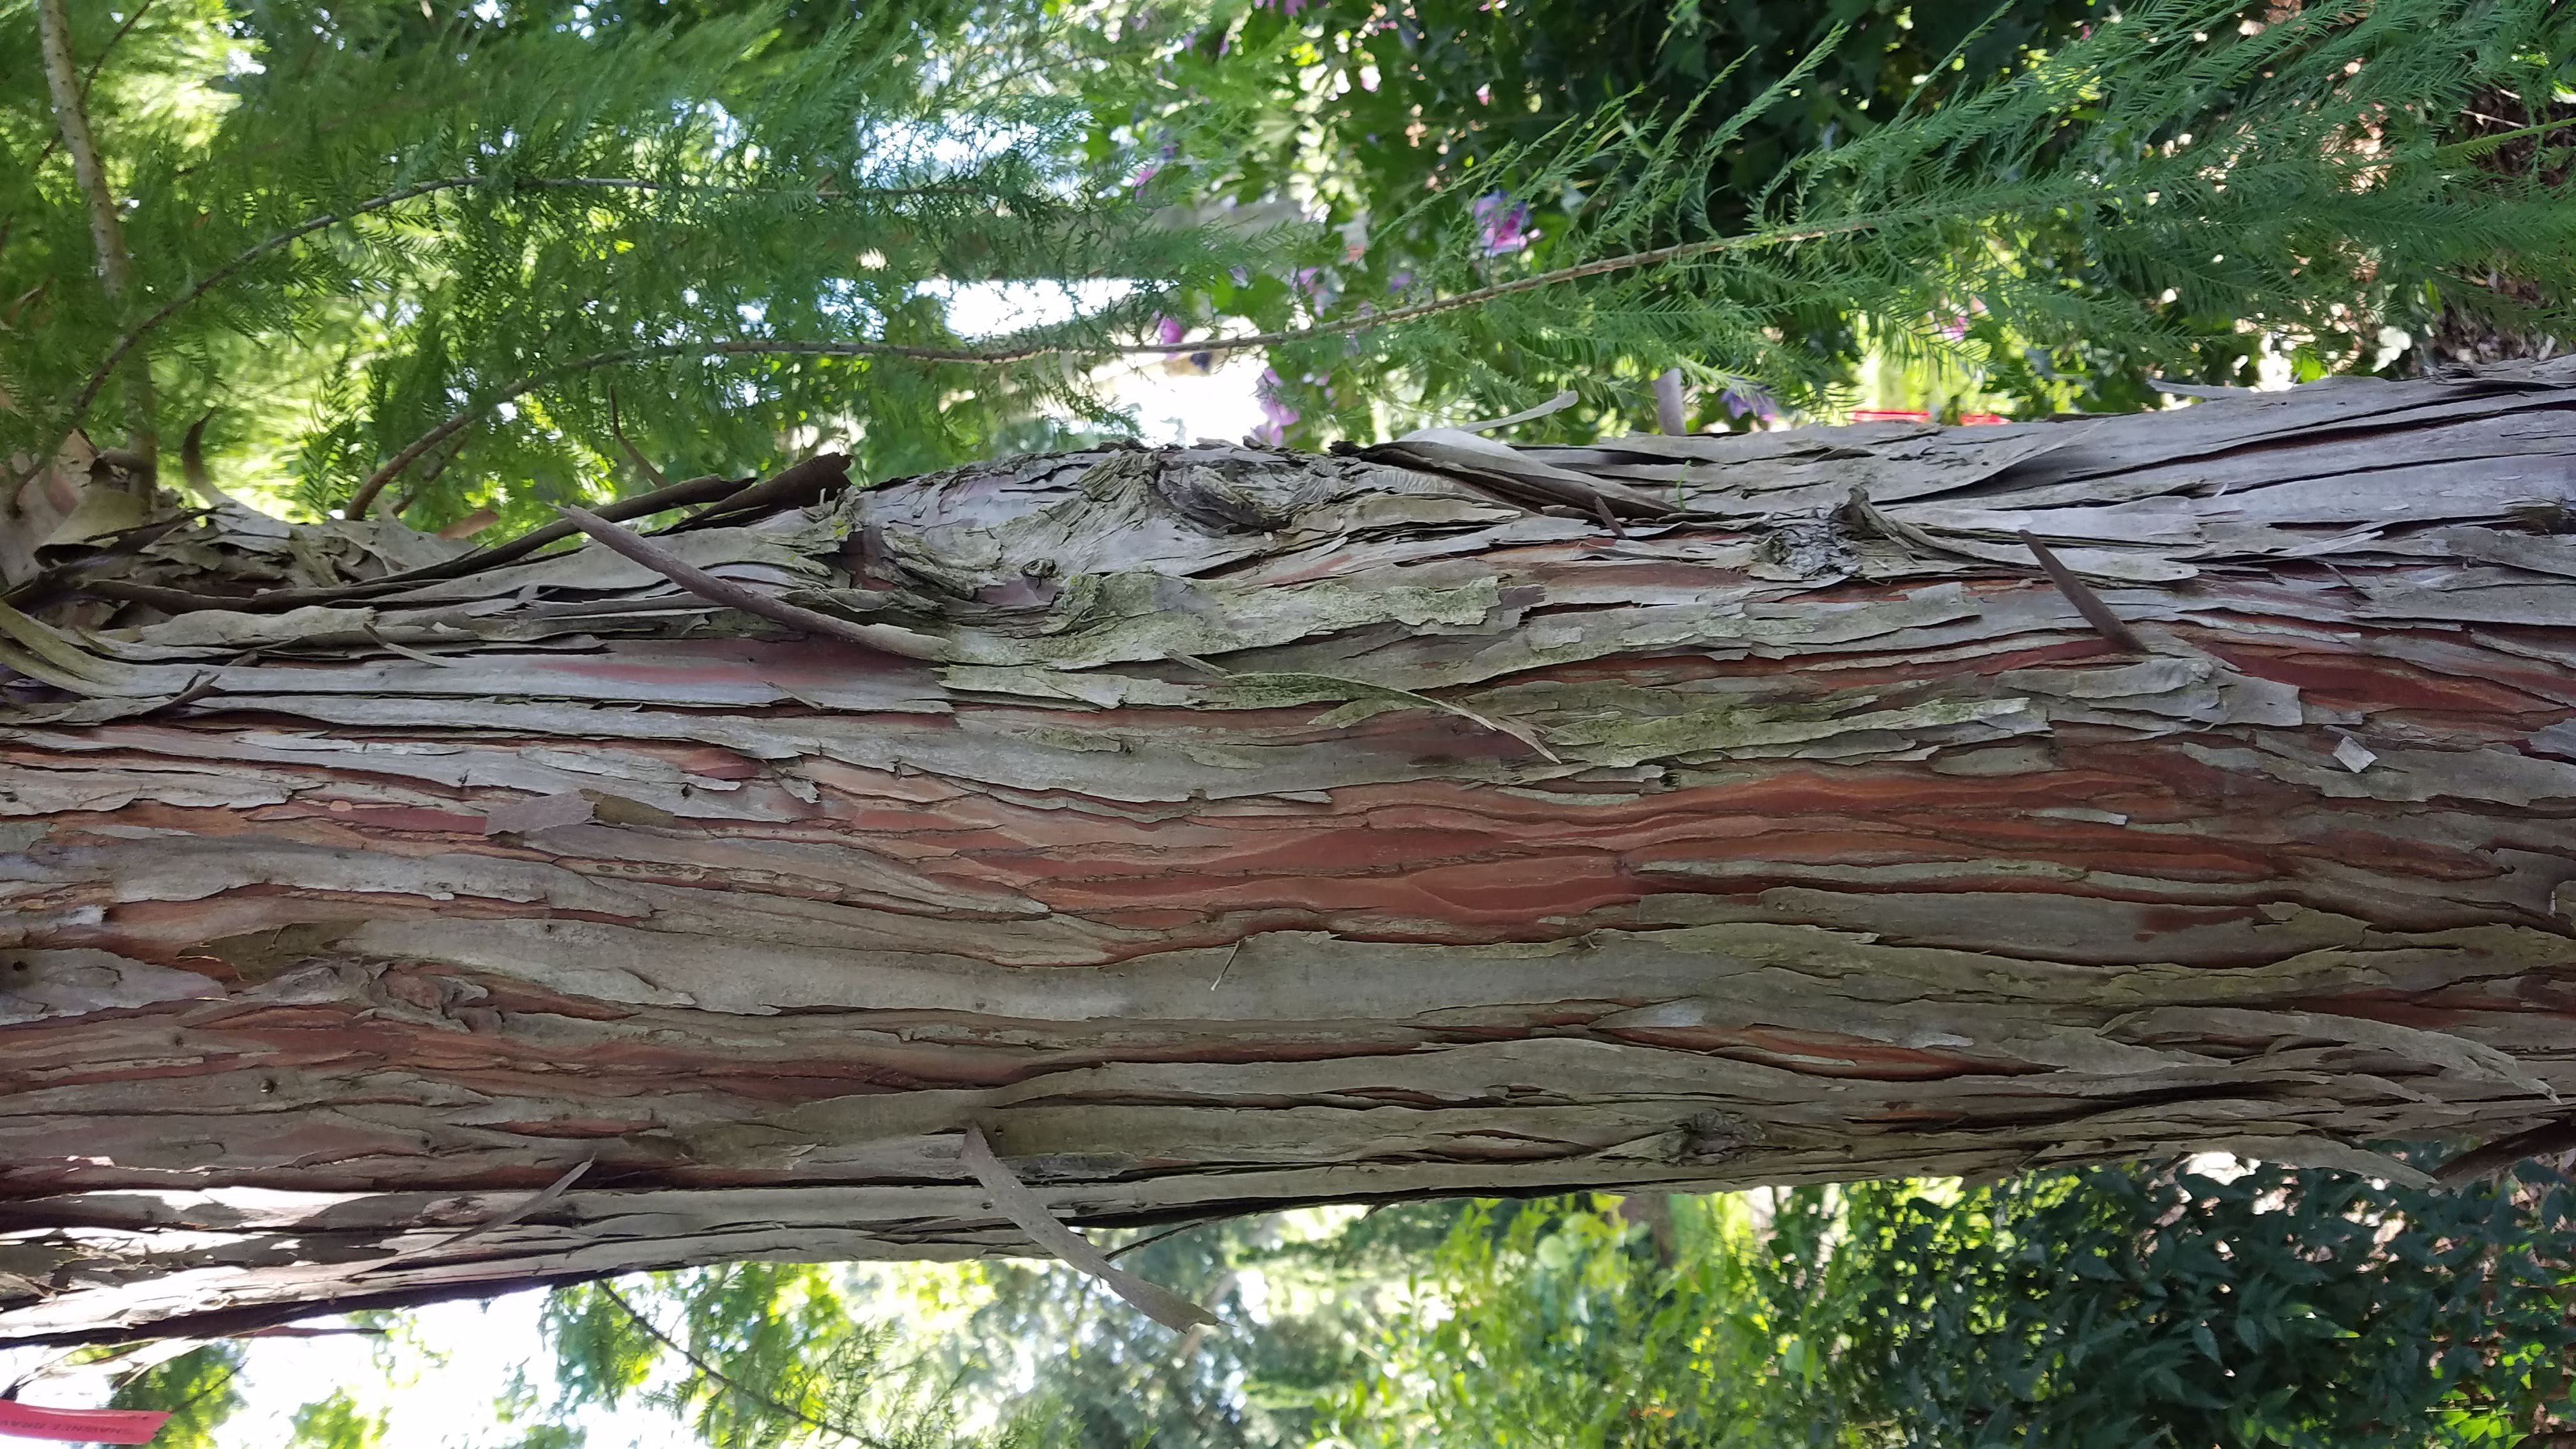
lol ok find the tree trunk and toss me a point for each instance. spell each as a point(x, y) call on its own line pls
point(1673, 813)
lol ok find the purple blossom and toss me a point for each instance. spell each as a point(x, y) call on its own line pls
point(1749, 399)
point(1274, 407)
point(1153, 168)
point(1399, 281)
point(1167, 330)
point(1242, 276)
point(1320, 286)
point(1505, 223)
point(1955, 325)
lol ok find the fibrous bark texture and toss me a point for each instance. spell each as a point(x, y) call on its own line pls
point(1258, 829)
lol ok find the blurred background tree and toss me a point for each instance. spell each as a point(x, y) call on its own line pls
point(2186, 1304)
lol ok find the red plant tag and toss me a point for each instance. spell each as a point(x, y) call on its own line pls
point(88, 1426)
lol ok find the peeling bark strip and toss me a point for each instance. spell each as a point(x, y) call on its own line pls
point(1029, 1210)
point(1282, 829)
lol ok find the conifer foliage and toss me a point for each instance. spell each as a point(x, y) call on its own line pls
point(2147, 189)
point(395, 250)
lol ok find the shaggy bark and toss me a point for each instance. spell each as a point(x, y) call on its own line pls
point(1267, 829)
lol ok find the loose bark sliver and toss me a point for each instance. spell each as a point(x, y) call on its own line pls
point(533, 1202)
point(1029, 1211)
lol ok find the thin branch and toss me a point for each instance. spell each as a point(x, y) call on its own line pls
point(1146, 1242)
point(403, 504)
point(631, 451)
point(1681, 252)
point(884, 638)
point(220, 275)
point(9, 315)
point(732, 1384)
point(107, 239)
point(99, 62)
point(793, 486)
point(90, 78)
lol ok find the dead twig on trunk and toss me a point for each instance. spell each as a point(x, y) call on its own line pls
point(885, 638)
point(2086, 602)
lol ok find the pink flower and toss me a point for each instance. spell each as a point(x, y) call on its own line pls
point(1749, 399)
point(1274, 407)
point(1153, 168)
point(1505, 223)
point(1955, 325)
point(1167, 330)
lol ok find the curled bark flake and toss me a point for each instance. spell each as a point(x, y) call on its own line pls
point(192, 464)
point(52, 658)
point(1601, 510)
point(2504, 1152)
point(1556, 404)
